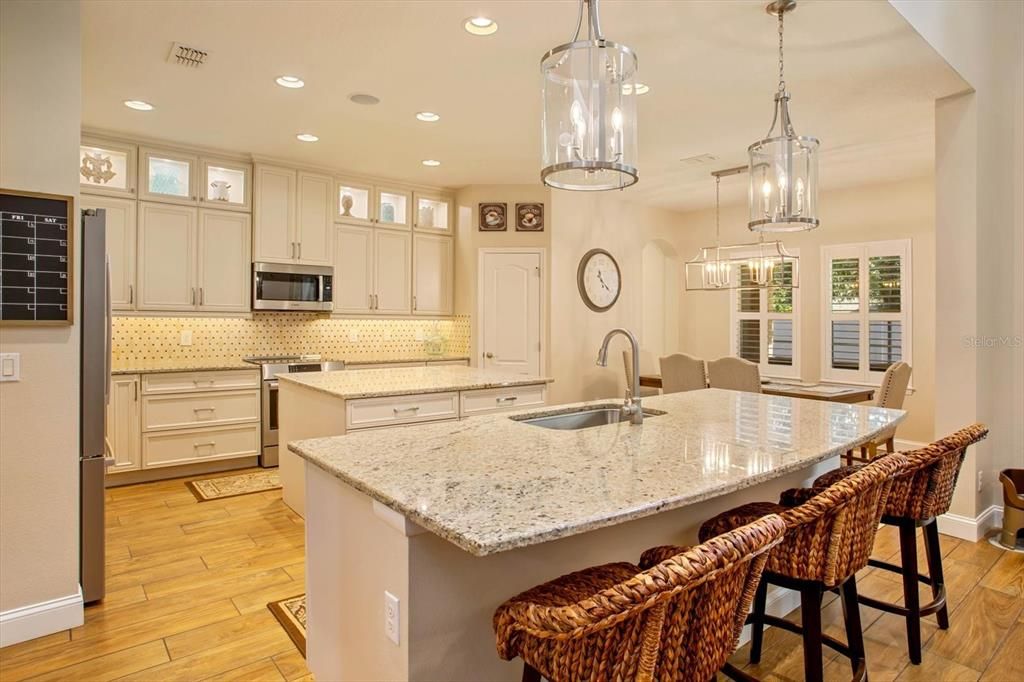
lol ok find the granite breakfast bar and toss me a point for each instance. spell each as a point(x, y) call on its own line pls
point(453, 518)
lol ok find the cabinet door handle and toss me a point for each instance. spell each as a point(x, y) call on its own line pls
point(131, 294)
point(299, 244)
point(209, 444)
point(135, 391)
point(201, 297)
point(414, 408)
point(414, 303)
point(488, 355)
point(193, 296)
point(508, 399)
point(370, 303)
point(204, 409)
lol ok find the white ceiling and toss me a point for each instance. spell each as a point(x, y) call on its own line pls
point(862, 81)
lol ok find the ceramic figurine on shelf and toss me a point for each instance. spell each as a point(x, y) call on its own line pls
point(346, 204)
point(97, 169)
point(387, 212)
point(220, 190)
point(427, 215)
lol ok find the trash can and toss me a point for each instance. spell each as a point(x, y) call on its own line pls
point(1013, 506)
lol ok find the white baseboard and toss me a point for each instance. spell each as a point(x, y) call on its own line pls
point(44, 618)
point(780, 602)
point(971, 529)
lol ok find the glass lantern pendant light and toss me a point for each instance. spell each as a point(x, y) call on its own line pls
point(783, 166)
point(589, 125)
point(709, 271)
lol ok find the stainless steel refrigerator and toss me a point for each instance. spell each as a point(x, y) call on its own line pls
point(95, 393)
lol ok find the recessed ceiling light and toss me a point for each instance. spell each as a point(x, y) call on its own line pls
point(363, 98)
point(138, 105)
point(290, 81)
point(431, 162)
point(428, 116)
point(641, 89)
point(307, 137)
point(480, 26)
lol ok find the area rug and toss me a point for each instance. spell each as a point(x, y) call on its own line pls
point(291, 614)
point(206, 489)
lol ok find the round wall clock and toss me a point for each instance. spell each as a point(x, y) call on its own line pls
point(599, 280)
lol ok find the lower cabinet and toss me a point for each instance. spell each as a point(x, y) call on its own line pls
point(124, 424)
point(176, 418)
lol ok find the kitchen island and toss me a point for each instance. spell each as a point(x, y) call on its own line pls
point(454, 518)
point(316, 404)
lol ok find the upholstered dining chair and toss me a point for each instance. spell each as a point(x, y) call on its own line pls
point(674, 618)
point(627, 361)
point(681, 372)
point(735, 374)
point(921, 492)
point(891, 393)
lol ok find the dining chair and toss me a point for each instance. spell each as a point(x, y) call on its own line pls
point(681, 372)
point(891, 393)
point(627, 362)
point(735, 374)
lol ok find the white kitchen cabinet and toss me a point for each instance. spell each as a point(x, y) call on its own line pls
point(226, 184)
point(124, 424)
point(394, 208)
point(292, 213)
point(392, 284)
point(433, 274)
point(274, 214)
point(120, 233)
point(433, 212)
point(168, 175)
point(222, 261)
point(107, 167)
point(313, 225)
point(167, 236)
point(353, 269)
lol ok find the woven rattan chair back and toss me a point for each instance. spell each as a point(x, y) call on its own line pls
point(735, 374)
point(924, 489)
point(679, 620)
point(830, 536)
point(681, 372)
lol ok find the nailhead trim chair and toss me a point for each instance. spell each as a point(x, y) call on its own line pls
point(734, 374)
point(891, 394)
point(829, 535)
point(921, 492)
point(678, 620)
point(681, 372)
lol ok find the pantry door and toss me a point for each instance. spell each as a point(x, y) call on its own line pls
point(510, 310)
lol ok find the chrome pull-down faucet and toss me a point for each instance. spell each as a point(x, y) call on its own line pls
point(632, 405)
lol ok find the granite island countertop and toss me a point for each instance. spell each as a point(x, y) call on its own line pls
point(369, 383)
point(491, 484)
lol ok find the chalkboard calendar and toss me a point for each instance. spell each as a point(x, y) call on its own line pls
point(36, 267)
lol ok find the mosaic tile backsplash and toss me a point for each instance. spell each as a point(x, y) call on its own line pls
point(147, 341)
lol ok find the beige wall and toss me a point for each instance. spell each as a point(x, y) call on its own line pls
point(979, 162)
point(903, 210)
point(40, 118)
point(583, 221)
point(469, 240)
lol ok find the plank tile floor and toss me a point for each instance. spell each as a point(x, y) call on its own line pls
point(188, 585)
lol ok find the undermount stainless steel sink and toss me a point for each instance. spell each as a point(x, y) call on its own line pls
point(583, 418)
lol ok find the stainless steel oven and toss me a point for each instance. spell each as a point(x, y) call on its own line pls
point(270, 367)
point(280, 286)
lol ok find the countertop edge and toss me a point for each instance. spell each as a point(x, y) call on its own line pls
point(482, 550)
point(215, 367)
point(383, 392)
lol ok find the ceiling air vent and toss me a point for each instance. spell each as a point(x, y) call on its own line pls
point(186, 56)
point(698, 160)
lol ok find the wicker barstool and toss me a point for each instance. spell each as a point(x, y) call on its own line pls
point(920, 493)
point(679, 619)
point(829, 535)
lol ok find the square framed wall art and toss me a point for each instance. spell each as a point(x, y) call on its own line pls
point(529, 217)
point(493, 217)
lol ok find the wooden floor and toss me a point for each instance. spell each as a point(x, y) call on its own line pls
point(188, 585)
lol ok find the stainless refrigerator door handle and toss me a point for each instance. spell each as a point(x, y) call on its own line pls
point(108, 348)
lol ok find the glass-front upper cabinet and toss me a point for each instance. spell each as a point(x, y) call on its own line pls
point(226, 184)
point(107, 167)
point(167, 176)
point(393, 208)
point(354, 203)
point(433, 212)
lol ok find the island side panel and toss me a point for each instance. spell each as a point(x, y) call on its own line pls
point(303, 413)
point(352, 557)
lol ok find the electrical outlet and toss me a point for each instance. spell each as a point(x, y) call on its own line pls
point(981, 480)
point(10, 366)
point(353, 336)
point(186, 337)
point(419, 335)
point(392, 617)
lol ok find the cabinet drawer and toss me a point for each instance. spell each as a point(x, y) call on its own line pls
point(168, 448)
point(194, 382)
point(194, 410)
point(488, 400)
point(403, 409)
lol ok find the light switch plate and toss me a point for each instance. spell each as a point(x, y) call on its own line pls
point(392, 617)
point(186, 337)
point(353, 336)
point(10, 366)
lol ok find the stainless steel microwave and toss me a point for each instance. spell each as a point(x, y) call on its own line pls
point(277, 286)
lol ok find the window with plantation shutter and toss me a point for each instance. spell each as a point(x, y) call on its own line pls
point(764, 322)
point(867, 309)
